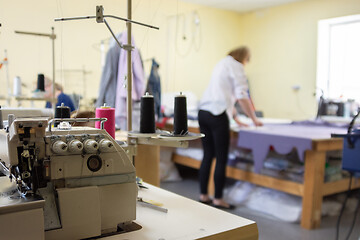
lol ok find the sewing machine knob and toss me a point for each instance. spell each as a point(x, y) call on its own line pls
point(94, 163)
point(91, 146)
point(106, 145)
point(75, 146)
point(59, 147)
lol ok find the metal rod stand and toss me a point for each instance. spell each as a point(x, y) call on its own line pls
point(52, 36)
point(129, 69)
point(100, 18)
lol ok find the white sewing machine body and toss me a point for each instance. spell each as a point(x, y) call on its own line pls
point(85, 177)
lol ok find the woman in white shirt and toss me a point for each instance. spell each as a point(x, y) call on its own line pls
point(228, 85)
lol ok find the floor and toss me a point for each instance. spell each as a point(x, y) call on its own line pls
point(269, 228)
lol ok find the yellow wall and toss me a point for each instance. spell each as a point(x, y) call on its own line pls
point(283, 41)
point(77, 42)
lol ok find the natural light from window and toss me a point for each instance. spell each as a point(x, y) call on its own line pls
point(338, 69)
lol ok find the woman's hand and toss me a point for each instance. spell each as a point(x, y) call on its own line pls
point(257, 122)
point(239, 123)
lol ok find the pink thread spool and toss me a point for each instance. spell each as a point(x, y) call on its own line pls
point(109, 113)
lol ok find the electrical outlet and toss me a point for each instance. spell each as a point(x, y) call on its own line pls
point(296, 88)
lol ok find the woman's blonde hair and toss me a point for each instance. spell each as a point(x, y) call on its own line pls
point(48, 82)
point(240, 54)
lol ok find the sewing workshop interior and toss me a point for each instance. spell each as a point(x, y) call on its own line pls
point(180, 119)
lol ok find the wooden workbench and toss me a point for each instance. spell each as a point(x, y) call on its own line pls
point(185, 219)
point(312, 190)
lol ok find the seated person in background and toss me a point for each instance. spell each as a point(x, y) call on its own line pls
point(61, 97)
point(83, 114)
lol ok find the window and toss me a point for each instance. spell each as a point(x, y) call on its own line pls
point(338, 63)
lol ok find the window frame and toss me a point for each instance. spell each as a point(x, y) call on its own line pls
point(324, 49)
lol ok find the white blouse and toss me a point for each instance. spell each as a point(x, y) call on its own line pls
point(228, 83)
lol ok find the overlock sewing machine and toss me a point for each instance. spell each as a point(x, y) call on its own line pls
point(69, 182)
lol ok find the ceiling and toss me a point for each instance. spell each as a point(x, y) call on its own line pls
point(241, 5)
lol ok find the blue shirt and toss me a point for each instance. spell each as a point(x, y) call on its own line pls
point(65, 99)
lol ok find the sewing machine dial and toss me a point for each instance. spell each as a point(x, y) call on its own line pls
point(94, 163)
point(91, 146)
point(59, 147)
point(106, 145)
point(75, 146)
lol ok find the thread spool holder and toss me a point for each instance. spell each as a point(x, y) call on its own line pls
point(166, 138)
point(158, 142)
point(102, 121)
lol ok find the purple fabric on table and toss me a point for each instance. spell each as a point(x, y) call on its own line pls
point(320, 122)
point(283, 137)
point(138, 80)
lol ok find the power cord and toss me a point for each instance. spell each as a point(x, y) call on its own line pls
point(354, 218)
point(355, 215)
point(343, 208)
point(351, 125)
point(351, 145)
point(342, 211)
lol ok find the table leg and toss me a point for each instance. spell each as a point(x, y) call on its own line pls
point(313, 183)
point(147, 163)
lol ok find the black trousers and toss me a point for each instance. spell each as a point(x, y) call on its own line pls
point(216, 144)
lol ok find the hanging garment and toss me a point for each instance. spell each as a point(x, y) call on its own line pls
point(108, 83)
point(154, 87)
point(138, 80)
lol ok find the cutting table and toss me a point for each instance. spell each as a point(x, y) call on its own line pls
point(312, 142)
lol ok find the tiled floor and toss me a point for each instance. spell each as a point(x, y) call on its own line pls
point(269, 229)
